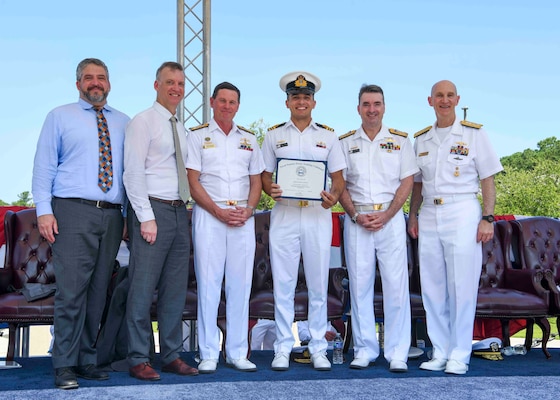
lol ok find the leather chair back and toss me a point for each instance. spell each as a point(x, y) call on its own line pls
point(28, 254)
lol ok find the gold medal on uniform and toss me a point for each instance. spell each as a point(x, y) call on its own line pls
point(456, 173)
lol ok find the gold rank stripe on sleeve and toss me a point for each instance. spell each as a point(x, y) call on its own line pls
point(399, 133)
point(195, 128)
point(276, 126)
point(328, 128)
point(419, 133)
point(245, 129)
point(347, 135)
point(471, 124)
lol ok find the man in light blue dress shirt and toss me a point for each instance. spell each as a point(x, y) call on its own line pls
point(80, 216)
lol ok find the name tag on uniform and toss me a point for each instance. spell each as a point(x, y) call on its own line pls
point(423, 154)
point(208, 143)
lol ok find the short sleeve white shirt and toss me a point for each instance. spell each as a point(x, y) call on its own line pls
point(225, 162)
point(315, 143)
point(456, 164)
point(376, 167)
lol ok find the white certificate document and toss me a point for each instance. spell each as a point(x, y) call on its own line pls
point(301, 179)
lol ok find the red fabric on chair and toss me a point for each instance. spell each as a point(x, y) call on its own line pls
point(336, 235)
point(3, 211)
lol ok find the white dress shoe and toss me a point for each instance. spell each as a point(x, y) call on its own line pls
point(320, 362)
point(360, 363)
point(241, 364)
point(398, 366)
point(281, 362)
point(436, 364)
point(208, 366)
point(456, 367)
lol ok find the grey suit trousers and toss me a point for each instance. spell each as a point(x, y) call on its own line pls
point(162, 266)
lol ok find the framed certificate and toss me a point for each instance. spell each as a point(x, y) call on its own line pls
point(301, 179)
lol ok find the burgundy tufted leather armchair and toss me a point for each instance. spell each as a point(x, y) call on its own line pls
point(28, 259)
point(509, 291)
point(536, 245)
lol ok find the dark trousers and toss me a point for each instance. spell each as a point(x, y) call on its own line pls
point(162, 266)
point(84, 255)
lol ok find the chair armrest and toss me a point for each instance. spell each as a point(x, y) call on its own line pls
point(337, 288)
point(528, 281)
point(5, 279)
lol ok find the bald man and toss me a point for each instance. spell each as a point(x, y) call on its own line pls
point(455, 159)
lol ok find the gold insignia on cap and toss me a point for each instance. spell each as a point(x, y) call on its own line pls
point(300, 82)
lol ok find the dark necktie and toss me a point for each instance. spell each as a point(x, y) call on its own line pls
point(184, 192)
point(105, 176)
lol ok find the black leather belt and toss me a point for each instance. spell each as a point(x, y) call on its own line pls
point(95, 203)
point(172, 203)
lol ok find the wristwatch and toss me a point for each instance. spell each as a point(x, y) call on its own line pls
point(253, 210)
point(355, 218)
point(489, 218)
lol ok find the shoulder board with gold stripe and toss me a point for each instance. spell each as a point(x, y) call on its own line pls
point(347, 135)
point(471, 124)
point(328, 128)
point(276, 126)
point(399, 133)
point(245, 129)
point(195, 128)
point(419, 133)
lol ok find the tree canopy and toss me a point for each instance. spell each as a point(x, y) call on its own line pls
point(530, 182)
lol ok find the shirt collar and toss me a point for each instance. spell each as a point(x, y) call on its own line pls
point(162, 110)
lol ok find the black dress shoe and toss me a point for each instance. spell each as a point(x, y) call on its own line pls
point(90, 371)
point(65, 378)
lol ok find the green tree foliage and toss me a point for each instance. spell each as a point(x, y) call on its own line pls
point(260, 128)
point(529, 184)
point(529, 192)
point(24, 199)
point(547, 149)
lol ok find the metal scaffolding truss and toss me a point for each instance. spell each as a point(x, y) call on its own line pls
point(193, 52)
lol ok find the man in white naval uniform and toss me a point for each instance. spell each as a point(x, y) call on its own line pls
point(301, 227)
point(454, 158)
point(224, 165)
point(379, 179)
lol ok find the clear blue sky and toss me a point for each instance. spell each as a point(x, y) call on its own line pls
point(503, 56)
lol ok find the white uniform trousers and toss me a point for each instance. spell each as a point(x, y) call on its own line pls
point(298, 231)
point(221, 251)
point(450, 266)
point(388, 247)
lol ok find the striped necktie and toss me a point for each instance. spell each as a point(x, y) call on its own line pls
point(105, 175)
point(184, 192)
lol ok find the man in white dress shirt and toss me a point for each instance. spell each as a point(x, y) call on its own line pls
point(155, 181)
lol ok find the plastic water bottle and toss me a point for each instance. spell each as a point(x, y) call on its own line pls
point(337, 350)
point(518, 350)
